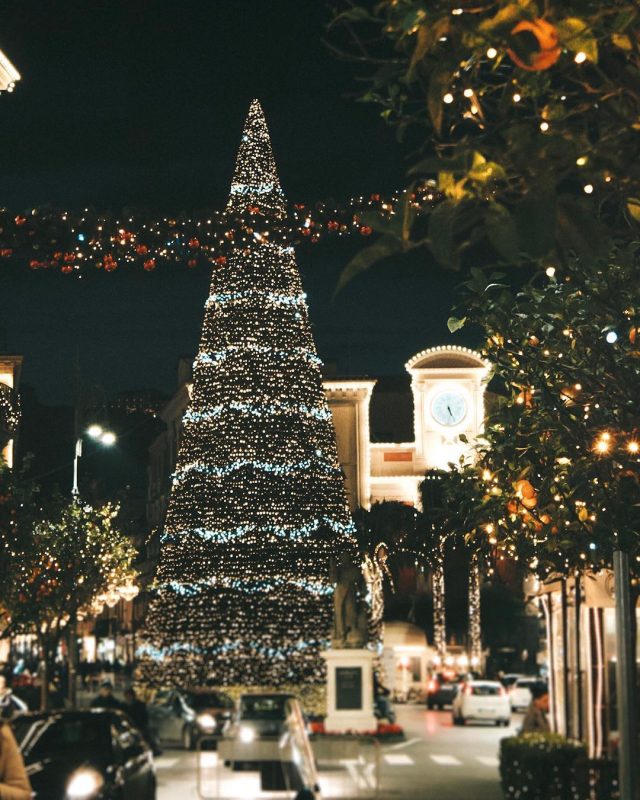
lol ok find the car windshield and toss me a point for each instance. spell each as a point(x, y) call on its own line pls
point(485, 690)
point(263, 707)
point(525, 684)
point(63, 737)
point(201, 700)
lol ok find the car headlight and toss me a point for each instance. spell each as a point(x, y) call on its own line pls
point(84, 784)
point(247, 735)
point(207, 722)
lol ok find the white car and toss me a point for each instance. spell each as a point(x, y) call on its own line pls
point(520, 693)
point(482, 701)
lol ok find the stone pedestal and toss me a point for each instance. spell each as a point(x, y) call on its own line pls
point(349, 691)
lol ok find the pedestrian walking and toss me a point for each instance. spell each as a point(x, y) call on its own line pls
point(137, 712)
point(14, 783)
point(105, 698)
point(535, 720)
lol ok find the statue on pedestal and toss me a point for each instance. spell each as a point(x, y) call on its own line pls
point(351, 615)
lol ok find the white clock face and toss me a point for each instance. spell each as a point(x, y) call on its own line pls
point(449, 408)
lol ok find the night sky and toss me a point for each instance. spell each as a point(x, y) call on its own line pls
point(141, 103)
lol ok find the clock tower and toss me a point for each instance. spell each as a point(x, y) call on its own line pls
point(448, 400)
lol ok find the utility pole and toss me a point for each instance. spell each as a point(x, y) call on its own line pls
point(625, 680)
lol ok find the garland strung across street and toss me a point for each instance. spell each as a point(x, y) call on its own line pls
point(76, 242)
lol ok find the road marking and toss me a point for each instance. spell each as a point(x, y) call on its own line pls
point(446, 761)
point(361, 773)
point(165, 763)
point(399, 760)
point(208, 759)
point(401, 745)
point(488, 761)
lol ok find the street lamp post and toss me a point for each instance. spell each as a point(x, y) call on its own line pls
point(107, 438)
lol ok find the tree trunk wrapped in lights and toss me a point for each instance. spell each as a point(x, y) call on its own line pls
point(439, 610)
point(475, 627)
point(258, 506)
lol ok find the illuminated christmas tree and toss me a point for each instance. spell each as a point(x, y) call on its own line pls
point(258, 505)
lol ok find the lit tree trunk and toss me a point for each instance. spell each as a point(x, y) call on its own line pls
point(72, 649)
point(44, 671)
point(439, 613)
point(475, 630)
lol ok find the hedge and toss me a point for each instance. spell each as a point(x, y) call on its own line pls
point(546, 766)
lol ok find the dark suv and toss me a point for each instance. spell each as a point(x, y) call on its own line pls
point(441, 690)
point(96, 754)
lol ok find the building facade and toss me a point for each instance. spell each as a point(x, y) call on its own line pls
point(444, 400)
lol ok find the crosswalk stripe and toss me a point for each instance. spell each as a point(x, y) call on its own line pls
point(398, 759)
point(446, 761)
point(488, 761)
point(402, 745)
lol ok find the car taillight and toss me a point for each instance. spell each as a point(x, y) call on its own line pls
point(502, 691)
point(432, 686)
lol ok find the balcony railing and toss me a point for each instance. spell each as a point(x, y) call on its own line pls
point(9, 410)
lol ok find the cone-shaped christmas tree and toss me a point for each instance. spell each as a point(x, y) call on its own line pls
point(257, 506)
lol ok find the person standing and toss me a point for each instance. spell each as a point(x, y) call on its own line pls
point(14, 783)
point(535, 720)
point(105, 698)
point(137, 712)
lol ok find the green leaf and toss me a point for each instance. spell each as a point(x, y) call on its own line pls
point(433, 164)
point(382, 223)
point(622, 41)
point(535, 217)
point(578, 230)
point(487, 171)
point(574, 34)
point(633, 207)
point(384, 247)
point(439, 84)
point(507, 16)
point(502, 232)
point(455, 323)
point(442, 241)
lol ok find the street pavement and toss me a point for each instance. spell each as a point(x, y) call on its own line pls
point(437, 761)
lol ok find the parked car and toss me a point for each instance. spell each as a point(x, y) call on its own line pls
point(184, 715)
point(85, 755)
point(520, 693)
point(482, 701)
point(441, 690)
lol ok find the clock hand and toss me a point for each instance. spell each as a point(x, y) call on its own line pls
point(449, 410)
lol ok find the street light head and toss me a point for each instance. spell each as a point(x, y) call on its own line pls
point(108, 438)
point(94, 431)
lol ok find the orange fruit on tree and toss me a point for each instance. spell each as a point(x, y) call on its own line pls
point(548, 48)
point(525, 489)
